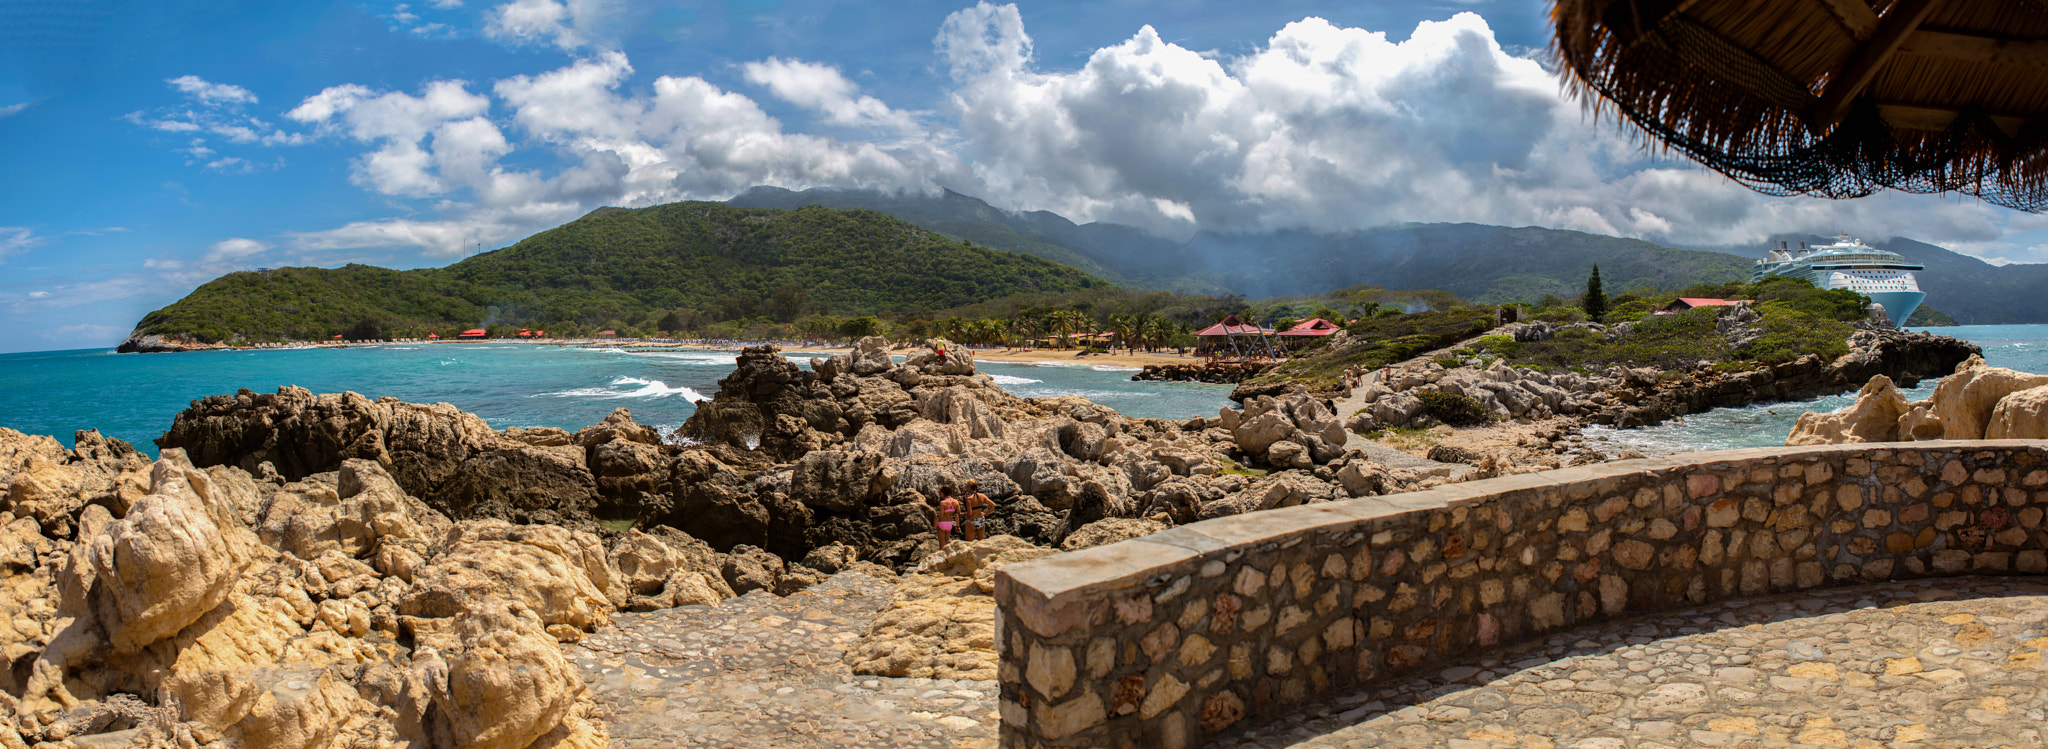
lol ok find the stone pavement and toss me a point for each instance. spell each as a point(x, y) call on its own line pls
point(760, 671)
point(1942, 663)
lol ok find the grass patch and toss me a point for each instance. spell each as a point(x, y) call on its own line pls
point(618, 526)
point(1234, 468)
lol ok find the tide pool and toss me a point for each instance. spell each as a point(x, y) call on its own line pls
point(134, 397)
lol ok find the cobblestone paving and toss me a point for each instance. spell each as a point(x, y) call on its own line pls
point(761, 671)
point(1948, 663)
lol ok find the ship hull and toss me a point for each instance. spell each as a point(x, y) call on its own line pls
point(1898, 305)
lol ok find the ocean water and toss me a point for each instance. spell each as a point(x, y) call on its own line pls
point(2021, 347)
point(135, 396)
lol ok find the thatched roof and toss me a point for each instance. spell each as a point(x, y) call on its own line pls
point(1838, 98)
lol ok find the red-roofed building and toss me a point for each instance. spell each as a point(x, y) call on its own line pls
point(1312, 327)
point(474, 333)
point(1231, 326)
point(1685, 303)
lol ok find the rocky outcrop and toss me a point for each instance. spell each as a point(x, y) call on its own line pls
point(1977, 402)
point(1219, 373)
point(1632, 397)
point(217, 609)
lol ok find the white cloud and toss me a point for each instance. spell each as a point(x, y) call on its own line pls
point(38, 295)
point(1322, 128)
point(235, 248)
point(14, 109)
point(533, 22)
point(821, 88)
point(15, 240)
point(446, 4)
point(210, 93)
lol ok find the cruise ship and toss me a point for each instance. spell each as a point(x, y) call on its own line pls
point(1884, 276)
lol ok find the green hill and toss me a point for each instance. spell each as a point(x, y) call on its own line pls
point(707, 260)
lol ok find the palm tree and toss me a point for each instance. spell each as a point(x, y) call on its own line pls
point(1068, 322)
point(1122, 325)
point(1023, 328)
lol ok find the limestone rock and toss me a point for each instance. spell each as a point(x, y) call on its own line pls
point(957, 359)
point(1109, 531)
point(2020, 416)
point(560, 576)
point(1874, 417)
point(870, 356)
point(479, 658)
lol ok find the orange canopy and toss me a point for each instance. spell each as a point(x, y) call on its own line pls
point(474, 333)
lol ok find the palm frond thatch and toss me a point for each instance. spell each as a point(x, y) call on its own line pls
point(1836, 98)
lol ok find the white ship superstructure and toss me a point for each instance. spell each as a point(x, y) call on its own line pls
point(1885, 277)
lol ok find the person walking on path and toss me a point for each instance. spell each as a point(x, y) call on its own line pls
point(977, 507)
point(949, 514)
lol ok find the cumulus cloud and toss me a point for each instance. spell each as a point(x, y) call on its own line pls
point(15, 240)
point(1321, 127)
point(822, 89)
point(235, 248)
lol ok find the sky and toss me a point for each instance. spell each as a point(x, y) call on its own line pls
point(152, 146)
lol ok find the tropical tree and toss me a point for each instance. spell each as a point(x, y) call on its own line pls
point(1595, 300)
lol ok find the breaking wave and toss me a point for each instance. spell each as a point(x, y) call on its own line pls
point(1012, 380)
point(632, 387)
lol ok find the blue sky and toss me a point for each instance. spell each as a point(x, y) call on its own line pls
point(154, 146)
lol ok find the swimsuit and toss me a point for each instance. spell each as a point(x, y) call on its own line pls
point(945, 525)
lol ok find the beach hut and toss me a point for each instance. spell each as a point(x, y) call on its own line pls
point(473, 333)
point(433, 336)
point(1833, 98)
point(1685, 303)
point(607, 333)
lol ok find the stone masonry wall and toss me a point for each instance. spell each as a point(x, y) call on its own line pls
point(1166, 640)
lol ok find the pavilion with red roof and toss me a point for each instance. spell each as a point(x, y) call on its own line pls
point(474, 333)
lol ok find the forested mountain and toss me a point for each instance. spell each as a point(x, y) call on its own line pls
point(629, 265)
point(1484, 263)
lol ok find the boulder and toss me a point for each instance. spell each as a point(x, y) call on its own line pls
point(174, 558)
point(870, 357)
point(1397, 409)
point(956, 360)
point(1965, 400)
point(1874, 417)
point(748, 569)
point(1110, 530)
point(477, 662)
point(560, 576)
point(840, 481)
point(2020, 416)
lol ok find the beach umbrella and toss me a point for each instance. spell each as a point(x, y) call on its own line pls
point(1832, 98)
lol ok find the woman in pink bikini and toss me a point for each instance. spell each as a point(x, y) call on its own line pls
point(949, 513)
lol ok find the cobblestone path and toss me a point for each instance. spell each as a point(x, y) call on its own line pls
point(760, 671)
point(1947, 663)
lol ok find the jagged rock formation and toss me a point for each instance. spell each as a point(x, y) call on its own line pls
point(171, 605)
point(1977, 402)
point(1645, 396)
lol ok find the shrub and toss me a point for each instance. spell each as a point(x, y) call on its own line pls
point(1450, 362)
point(1503, 345)
point(1454, 409)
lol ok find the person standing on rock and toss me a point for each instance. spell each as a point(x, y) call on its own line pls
point(949, 513)
point(977, 507)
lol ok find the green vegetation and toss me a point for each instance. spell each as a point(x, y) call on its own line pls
point(1794, 319)
point(704, 267)
point(1453, 409)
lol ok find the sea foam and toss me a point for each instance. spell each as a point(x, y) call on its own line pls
point(632, 387)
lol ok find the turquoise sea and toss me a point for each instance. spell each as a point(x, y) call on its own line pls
point(2021, 347)
point(135, 396)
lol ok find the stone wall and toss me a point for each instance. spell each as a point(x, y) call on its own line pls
point(1168, 639)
